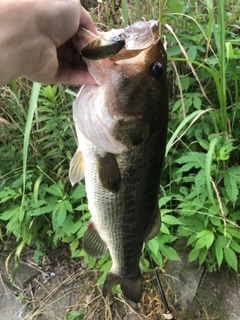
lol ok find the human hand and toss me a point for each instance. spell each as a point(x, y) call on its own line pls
point(38, 43)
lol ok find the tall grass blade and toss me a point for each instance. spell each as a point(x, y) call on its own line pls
point(220, 40)
point(210, 8)
point(192, 117)
point(208, 168)
point(222, 60)
point(32, 106)
point(125, 12)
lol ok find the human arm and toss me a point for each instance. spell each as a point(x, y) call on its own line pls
point(35, 41)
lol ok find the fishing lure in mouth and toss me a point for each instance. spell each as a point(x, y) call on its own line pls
point(130, 41)
point(103, 48)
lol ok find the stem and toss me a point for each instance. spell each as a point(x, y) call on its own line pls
point(222, 63)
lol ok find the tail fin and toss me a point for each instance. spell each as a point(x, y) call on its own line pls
point(131, 287)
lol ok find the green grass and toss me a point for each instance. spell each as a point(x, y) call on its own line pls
point(201, 180)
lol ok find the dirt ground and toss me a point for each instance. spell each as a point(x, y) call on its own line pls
point(64, 289)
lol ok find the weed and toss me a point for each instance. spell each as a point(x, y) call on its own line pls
point(200, 184)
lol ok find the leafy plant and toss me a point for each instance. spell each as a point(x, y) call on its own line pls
point(199, 196)
point(204, 146)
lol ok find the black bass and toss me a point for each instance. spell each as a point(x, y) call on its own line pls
point(122, 127)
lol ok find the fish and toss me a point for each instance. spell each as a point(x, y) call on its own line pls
point(121, 125)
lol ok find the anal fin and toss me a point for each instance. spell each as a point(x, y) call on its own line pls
point(92, 242)
point(108, 172)
point(76, 170)
point(131, 286)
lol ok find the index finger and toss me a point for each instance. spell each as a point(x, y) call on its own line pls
point(86, 21)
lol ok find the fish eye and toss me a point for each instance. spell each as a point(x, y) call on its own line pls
point(156, 70)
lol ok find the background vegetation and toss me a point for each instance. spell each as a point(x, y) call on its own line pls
point(201, 179)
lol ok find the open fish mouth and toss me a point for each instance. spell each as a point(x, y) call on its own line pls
point(119, 44)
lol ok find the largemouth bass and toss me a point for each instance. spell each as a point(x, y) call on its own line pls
point(121, 126)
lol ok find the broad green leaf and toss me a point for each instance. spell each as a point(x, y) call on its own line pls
point(193, 255)
point(158, 259)
point(165, 238)
point(177, 105)
point(82, 230)
point(232, 182)
point(36, 255)
point(7, 194)
point(193, 223)
point(226, 149)
point(188, 166)
point(55, 215)
point(235, 246)
point(191, 239)
point(200, 180)
point(202, 256)
point(39, 203)
point(67, 205)
point(185, 82)
point(197, 102)
point(55, 190)
point(234, 231)
point(205, 239)
point(169, 252)
point(235, 172)
point(192, 53)
point(175, 7)
point(153, 246)
point(58, 234)
point(13, 226)
point(174, 51)
point(70, 226)
point(74, 315)
point(219, 251)
point(163, 200)
point(83, 206)
point(68, 239)
point(145, 265)
point(61, 214)
point(231, 258)
point(74, 245)
point(79, 192)
point(42, 210)
point(215, 221)
point(7, 215)
point(164, 228)
point(204, 144)
point(170, 220)
point(231, 187)
point(165, 211)
point(105, 268)
point(197, 158)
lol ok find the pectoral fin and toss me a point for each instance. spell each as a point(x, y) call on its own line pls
point(154, 226)
point(76, 170)
point(108, 172)
point(92, 242)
